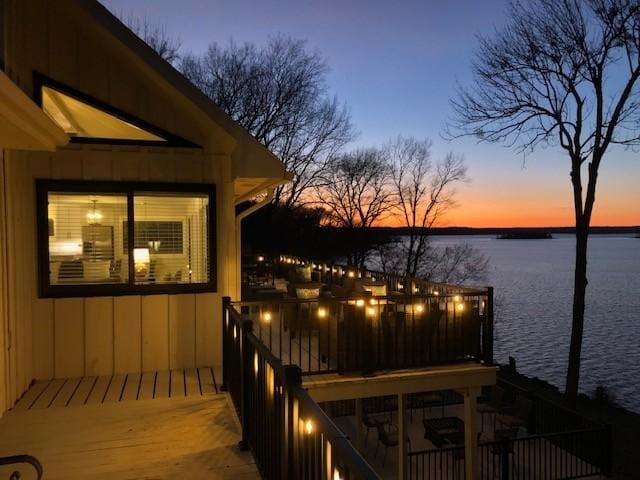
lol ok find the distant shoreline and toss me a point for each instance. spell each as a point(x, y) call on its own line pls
point(505, 231)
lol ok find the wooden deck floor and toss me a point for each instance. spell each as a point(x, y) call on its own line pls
point(160, 425)
point(118, 388)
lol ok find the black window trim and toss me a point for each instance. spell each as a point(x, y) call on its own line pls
point(45, 186)
point(174, 141)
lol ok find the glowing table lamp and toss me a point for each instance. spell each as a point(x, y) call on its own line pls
point(141, 260)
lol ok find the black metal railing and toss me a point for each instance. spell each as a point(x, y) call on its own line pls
point(555, 456)
point(335, 273)
point(22, 460)
point(366, 333)
point(289, 435)
point(547, 415)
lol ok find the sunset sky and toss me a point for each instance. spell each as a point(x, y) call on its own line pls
point(396, 64)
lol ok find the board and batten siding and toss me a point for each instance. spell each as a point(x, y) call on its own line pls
point(71, 337)
point(6, 390)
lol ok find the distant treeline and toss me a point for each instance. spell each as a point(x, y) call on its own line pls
point(502, 231)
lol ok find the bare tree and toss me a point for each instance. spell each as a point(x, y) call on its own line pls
point(423, 191)
point(278, 93)
point(355, 193)
point(561, 72)
point(155, 36)
point(457, 264)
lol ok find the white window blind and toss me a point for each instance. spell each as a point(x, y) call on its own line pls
point(82, 237)
point(171, 238)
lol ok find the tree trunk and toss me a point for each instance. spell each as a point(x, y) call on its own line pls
point(577, 325)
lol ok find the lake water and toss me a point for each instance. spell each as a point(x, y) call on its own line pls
point(533, 281)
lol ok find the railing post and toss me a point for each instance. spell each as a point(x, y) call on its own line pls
point(487, 334)
point(226, 304)
point(245, 376)
point(504, 458)
point(292, 377)
point(607, 466)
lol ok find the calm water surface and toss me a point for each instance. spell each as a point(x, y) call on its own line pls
point(533, 282)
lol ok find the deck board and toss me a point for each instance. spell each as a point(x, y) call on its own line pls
point(114, 393)
point(131, 387)
point(29, 398)
point(49, 394)
point(99, 391)
point(177, 384)
point(66, 392)
point(191, 381)
point(157, 438)
point(162, 385)
point(207, 385)
point(83, 391)
point(147, 385)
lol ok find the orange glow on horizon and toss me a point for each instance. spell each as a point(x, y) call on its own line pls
point(482, 208)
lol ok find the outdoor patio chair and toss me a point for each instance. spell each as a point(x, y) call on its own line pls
point(372, 421)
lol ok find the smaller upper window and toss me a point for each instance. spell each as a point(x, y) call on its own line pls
point(89, 120)
point(79, 119)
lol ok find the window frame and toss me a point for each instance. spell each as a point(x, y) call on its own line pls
point(170, 140)
point(46, 186)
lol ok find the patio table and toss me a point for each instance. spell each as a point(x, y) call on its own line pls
point(444, 431)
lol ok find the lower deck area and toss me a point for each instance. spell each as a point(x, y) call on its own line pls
point(157, 425)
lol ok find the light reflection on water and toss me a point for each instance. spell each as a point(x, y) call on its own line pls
point(533, 282)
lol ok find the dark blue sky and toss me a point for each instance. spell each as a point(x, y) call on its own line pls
point(395, 64)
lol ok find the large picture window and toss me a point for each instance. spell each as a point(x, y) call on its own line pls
point(113, 238)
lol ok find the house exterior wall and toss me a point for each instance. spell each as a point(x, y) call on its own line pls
point(70, 337)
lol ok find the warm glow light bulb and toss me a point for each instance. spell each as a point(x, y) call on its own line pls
point(371, 311)
point(255, 362)
point(260, 258)
point(266, 317)
point(456, 298)
point(460, 307)
point(351, 274)
point(322, 312)
point(360, 302)
point(308, 427)
point(419, 308)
